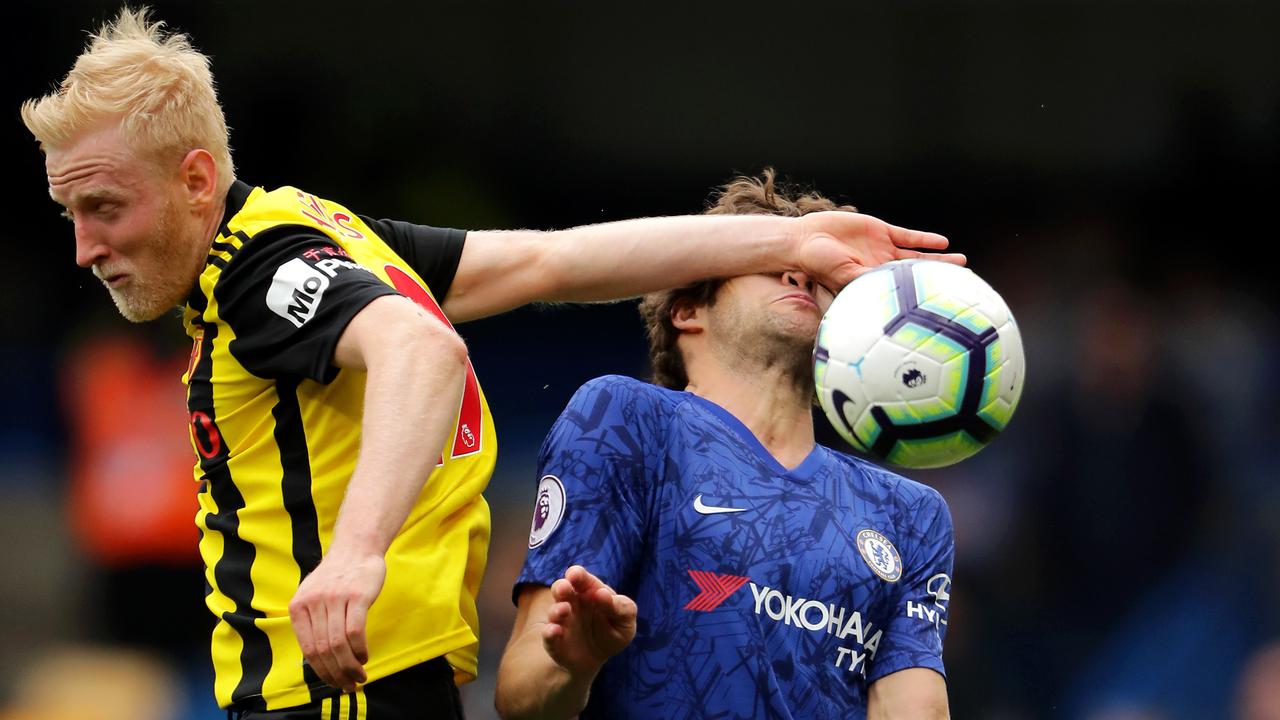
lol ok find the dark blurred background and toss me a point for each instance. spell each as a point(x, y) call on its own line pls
point(1105, 165)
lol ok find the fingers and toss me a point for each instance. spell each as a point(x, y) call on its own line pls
point(576, 582)
point(908, 238)
point(620, 610)
point(580, 594)
point(311, 626)
point(357, 614)
point(552, 634)
point(560, 613)
point(602, 600)
point(300, 616)
point(580, 590)
point(582, 580)
point(562, 590)
point(350, 671)
point(333, 641)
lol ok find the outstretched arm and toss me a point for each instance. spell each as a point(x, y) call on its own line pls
point(562, 636)
point(499, 271)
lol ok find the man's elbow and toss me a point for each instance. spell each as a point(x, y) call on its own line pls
point(509, 704)
point(445, 343)
point(425, 336)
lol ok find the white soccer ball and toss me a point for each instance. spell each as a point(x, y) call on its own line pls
point(919, 363)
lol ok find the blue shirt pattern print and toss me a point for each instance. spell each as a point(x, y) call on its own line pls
point(762, 592)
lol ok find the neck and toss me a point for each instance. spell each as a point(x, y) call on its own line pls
point(208, 231)
point(213, 222)
point(769, 402)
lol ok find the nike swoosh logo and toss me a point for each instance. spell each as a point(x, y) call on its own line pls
point(712, 509)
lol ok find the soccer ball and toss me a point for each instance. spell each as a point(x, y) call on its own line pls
point(918, 363)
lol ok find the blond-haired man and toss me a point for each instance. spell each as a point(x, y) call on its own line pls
point(342, 438)
point(734, 567)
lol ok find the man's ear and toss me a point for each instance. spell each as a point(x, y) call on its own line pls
point(199, 176)
point(688, 317)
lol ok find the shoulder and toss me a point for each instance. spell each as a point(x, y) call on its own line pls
point(611, 419)
point(623, 393)
point(265, 227)
point(280, 230)
point(264, 209)
point(898, 493)
point(630, 410)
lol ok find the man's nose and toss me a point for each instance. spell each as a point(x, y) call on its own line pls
point(89, 246)
point(800, 279)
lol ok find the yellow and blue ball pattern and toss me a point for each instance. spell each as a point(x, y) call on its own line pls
point(919, 363)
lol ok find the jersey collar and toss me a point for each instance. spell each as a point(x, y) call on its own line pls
point(237, 195)
point(802, 472)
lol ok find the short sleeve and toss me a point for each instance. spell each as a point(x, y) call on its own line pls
point(596, 469)
point(432, 252)
point(287, 296)
point(918, 622)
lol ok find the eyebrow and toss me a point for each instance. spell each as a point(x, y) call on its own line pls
point(90, 195)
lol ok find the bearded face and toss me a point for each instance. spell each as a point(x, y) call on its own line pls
point(154, 281)
point(131, 224)
point(768, 321)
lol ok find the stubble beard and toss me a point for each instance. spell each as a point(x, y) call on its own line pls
point(153, 291)
point(768, 343)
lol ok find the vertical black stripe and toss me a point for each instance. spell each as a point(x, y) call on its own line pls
point(291, 439)
point(335, 708)
point(231, 572)
point(354, 713)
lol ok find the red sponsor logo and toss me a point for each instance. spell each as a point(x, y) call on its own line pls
point(319, 253)
point(205, 432)
point(466, 441)
point(340, 222)
point(715, 589)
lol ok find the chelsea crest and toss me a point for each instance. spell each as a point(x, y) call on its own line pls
point(880, 554)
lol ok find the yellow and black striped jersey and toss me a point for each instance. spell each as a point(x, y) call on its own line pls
point(276, 429)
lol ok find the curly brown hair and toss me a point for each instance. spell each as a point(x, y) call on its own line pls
point(741, 196)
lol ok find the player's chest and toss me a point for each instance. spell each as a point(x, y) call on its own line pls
point(800, 551)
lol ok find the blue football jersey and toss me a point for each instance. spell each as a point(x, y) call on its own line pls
point(762, 591)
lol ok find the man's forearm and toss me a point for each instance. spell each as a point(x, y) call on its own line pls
point(411, 399)
point(611, 261)
point(632, 257)
point(532, 686)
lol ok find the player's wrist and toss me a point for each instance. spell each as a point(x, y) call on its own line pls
point(575, 689)
point(795, 233)
point(578, 672)
point(356, 549)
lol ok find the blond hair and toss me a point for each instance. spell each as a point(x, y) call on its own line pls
point(741, 196)
point(155, 82)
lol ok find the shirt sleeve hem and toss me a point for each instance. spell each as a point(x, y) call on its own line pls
point(888, 667)
point(325, 371)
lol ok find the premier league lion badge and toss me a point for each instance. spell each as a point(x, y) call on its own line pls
point(548, 510)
